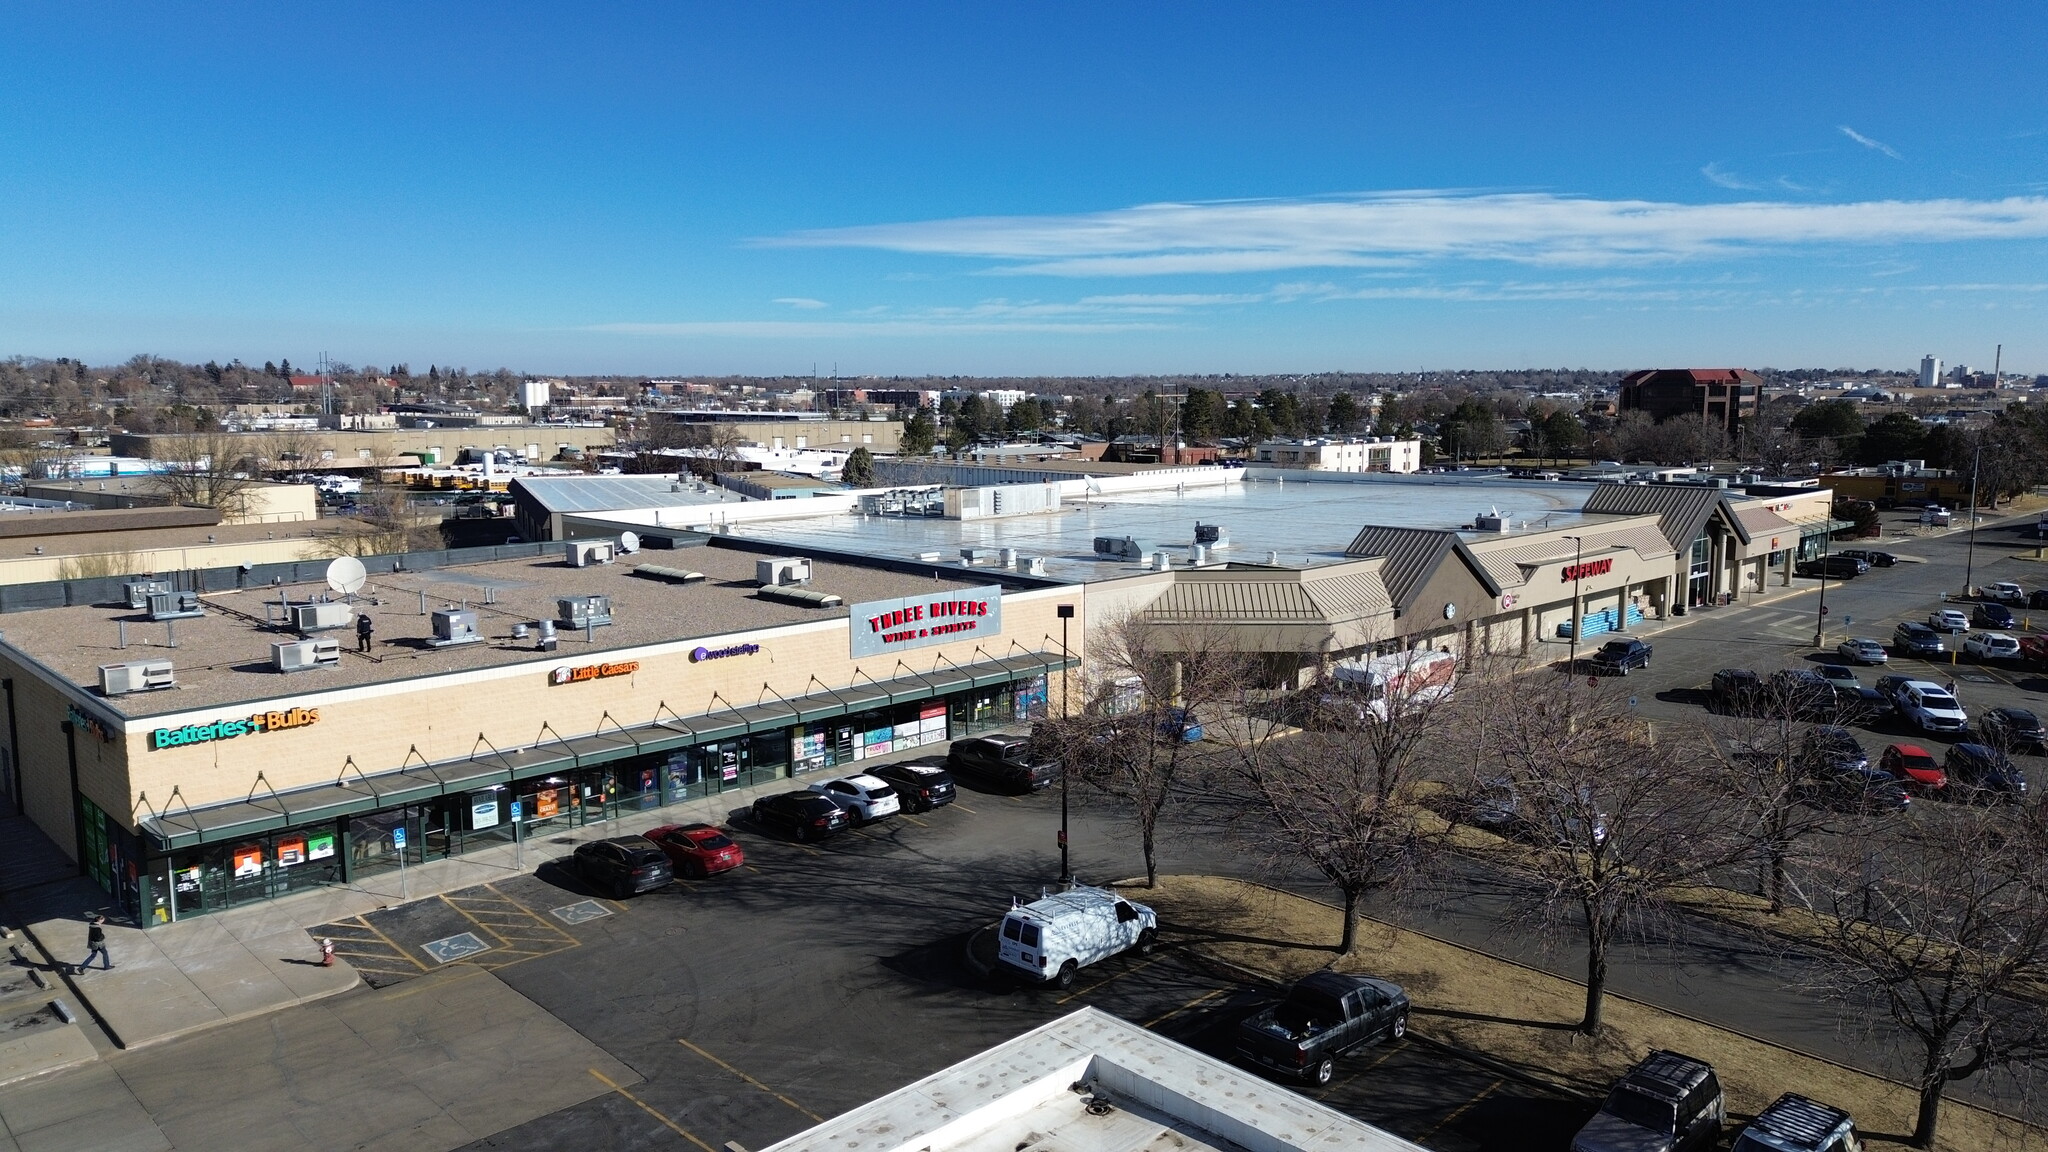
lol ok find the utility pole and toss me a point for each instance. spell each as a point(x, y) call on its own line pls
point(1976, 464)
point(1820, 615)
point(1066, 613)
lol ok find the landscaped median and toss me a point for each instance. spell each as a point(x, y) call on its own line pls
point(1523, 1018)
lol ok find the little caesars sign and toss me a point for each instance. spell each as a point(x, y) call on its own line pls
point(881, 626)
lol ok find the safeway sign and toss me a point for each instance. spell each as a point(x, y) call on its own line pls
point(880, 626)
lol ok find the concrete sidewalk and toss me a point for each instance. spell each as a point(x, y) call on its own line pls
point(176, 979)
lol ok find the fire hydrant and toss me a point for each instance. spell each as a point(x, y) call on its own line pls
point(327, 953)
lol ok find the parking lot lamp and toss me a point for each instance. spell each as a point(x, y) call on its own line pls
point(1066, 613)
point(1578, 603)
point(1820, 615)
point(1970, 555)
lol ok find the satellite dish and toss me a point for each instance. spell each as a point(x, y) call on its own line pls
point(346, 575)
point(629, 542)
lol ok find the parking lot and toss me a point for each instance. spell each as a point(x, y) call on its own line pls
point(819, 976)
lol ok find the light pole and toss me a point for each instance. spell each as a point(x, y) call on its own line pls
point(1578, 605)
point(1066, 613)
point(1820, 616)
point(1970, 561)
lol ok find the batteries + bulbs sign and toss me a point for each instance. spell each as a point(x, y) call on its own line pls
point(880, 626)
point(215, 730)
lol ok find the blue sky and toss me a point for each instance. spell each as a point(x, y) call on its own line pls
point(1051, 188)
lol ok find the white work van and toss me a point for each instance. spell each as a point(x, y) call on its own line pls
point(1057, 935)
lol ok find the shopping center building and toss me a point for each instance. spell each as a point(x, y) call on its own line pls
point(174, 756)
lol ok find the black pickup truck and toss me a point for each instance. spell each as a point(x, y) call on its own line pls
point(1321, 1018)
point(1618, 657)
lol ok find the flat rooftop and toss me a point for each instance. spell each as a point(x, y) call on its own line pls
point(224, 656)
point(117, 530)
point(1306, 522)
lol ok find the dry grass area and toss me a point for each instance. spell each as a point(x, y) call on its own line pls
point(1523, 1018)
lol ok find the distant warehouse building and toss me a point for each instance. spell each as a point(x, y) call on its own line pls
point(1723, 396)
point(1339, 454)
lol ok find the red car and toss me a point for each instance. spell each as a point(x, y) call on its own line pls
point(1913, 766)
point(697, 850)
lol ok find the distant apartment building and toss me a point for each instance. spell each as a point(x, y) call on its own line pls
point(836, 398)
point(1930, 371)
point(1358, 454)
point(1723, 396)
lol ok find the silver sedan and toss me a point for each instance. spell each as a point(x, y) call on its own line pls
point(1862, 651)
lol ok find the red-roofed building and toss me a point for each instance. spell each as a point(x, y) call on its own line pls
point(1721, 396)
point(308, 383)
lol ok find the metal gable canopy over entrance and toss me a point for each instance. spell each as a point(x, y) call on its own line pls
point(355, 791)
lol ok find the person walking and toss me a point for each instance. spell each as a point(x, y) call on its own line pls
point(96, 943)
point(364, 627)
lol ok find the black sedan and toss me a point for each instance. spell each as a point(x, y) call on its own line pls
point(2014, 729)
point(923, 783)
point(1993, 616)
point(623, 866)
point(1870, 556)
point(801, 816)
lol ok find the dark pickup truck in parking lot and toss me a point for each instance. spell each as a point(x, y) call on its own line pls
point(1321, 1018)
point(1618, 657)
point(1004, 762)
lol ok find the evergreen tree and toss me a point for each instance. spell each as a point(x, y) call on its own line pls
point(859, 471)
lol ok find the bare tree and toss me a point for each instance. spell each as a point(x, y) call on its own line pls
point(1343, 793)
point(1146, 684)
point(1606, 814)
point(208, 470)
point(1950, 937)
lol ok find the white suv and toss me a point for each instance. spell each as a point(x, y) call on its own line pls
point(1059, 934)
point(865, 798)
point(1930, 708)
point(1991, 646)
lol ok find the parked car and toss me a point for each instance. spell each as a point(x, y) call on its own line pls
point(2006, 592)
point(1870, 556)
point(1322, 1017)
point(1863, 651)
point(1936, 516)
point(1839, 676)
point(1794, 1123)
point(1501, 807)
point(1735, 692)
point(2038, 598)
point(1846, 789)
point(1618, 656)
point(1913, 639)
point(1804, 694)
point(623, 866)
point(1054, 937)
point(1950, 620)
point(697, 850)
point(1929, 707)
point(1180, 724)
point(2013, 729)
point(1914, 767)
point(1666, 1103)
point(1836, 567)
point(866, 798)
point(1002, 761)
point(1982, 771)
point(921, 784)
point(802, 816)
point(1996, 616)
point(2034, 651)
point(1832, 747)
point(1991, 646)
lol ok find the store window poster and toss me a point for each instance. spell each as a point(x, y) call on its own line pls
point(291, 851)
point(320, 846)
point(546, 804)
point(248, 862)
point(483, 812)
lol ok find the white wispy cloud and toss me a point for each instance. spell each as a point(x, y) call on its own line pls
point(835, 329)
point(804, 302)
point(1726, 179)
point(1867, 142)
point(1404, 229)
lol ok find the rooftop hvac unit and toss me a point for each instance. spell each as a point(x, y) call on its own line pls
point(1035, 566)
point(584, 611)
point(807, 597)
point(174, 605)
point(783, 570)
point(1493, 520)
point(454, 626)
point(1211, 534)
point(321, 617)
point(584, 553)
point(971, 557)
point(139, 591)
point(1121, 547)
point(140, 676)
point(305, 655)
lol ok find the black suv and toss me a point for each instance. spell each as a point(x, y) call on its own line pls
point(2013, 729)
point(1736, 692)
point(1916, 639)
point(1983, 772)
point(1870, 556)
point(1002, 762)
point(922, 783)
point(1803, 693)
point(623, 866)
point(1667, 1103)
point(1995, 616)
point(802, 815)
